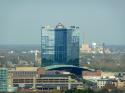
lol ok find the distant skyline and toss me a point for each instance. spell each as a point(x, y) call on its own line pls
point(99, 20)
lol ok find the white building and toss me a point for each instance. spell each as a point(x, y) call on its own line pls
point(106, 83)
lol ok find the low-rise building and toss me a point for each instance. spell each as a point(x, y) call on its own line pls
point(110, 75)
point(89, 75)
point(106, 83)
point(121, 84)
point(101, 79)
point(38, 78)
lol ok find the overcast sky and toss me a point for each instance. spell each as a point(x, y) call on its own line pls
point(99, 20)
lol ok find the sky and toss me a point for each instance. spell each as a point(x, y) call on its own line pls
point(99, 20)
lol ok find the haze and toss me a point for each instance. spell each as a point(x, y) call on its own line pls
point(99, 20)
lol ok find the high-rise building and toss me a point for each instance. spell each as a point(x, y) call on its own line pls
point(60, 45)
point(3, 80)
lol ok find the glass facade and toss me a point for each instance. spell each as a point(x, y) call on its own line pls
point(60, 45)
point(3, 79)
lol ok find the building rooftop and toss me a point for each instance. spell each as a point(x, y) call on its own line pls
point(26, 68)
point(60, 26)
point(92, 73)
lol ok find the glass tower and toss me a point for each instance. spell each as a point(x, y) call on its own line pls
point(59, 45)
point(3, 80)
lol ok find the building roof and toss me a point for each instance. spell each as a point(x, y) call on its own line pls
point(26, 68)
point(60, 25)
point(92, 73)
point(69, 68)
point(58, 66)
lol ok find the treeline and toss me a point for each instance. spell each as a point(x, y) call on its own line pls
point(108, 62)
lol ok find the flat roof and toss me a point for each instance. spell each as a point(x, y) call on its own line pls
point(26, 68)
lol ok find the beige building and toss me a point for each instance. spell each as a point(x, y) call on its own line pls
point(108, 75)
point(85, 48)
point(121, 84)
